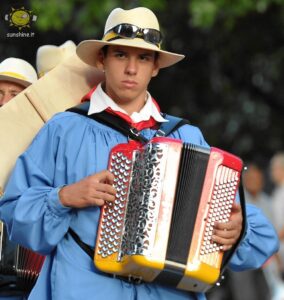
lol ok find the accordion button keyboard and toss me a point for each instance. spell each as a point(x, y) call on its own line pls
point(220, 206)
point(121, 166)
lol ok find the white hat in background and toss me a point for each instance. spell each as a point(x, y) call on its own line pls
point(17, 70)
point(49, 56)
point(137, 27)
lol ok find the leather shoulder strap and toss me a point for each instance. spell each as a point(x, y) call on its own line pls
point(172, 125)
point(111, 121)
point(122, 126)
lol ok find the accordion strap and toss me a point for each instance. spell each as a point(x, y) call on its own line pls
point(165, 128)
point(172, 125)
point(122, 126)
point(87, 248)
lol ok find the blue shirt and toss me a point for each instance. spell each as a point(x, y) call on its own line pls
point(68, 148)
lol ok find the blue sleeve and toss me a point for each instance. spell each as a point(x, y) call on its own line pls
point(260, 242)
point(30, 203)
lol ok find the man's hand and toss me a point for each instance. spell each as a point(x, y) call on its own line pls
point(227, 234)
point(93, 190)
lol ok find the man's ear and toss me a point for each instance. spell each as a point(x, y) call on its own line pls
point(156, 70)
point(100, 61)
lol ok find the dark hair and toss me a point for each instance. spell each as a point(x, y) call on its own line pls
point(104, 49)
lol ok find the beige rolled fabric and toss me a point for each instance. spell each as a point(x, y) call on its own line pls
point(21, 118)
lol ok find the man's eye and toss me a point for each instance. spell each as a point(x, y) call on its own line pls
point(145, 57)
point(120, 54)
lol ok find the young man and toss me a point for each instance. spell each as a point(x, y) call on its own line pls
point(61, 181)
point(15, 75)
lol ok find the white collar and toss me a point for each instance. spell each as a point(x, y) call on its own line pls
point(100, 101)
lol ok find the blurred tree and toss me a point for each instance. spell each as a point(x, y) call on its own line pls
point(89, 15)
point(206, 12)
point(231, 82)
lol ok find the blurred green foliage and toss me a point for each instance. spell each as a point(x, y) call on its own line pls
point(205, 12)
point(90, 15)
point(230, 83)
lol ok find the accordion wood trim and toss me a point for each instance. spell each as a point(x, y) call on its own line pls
point(218, 189)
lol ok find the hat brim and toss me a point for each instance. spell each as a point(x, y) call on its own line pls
point(15, 80)
point(88, 51)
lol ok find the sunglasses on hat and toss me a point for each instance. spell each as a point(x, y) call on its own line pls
point(130, 31)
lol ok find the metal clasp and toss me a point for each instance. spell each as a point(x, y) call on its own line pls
point(136, 135)
point(134, 131)
point(134, 279)
point(160, 133)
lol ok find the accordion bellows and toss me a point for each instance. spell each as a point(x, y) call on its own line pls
point(169, 195)
point(19, 266)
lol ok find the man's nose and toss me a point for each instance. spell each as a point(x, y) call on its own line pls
point(131, 67)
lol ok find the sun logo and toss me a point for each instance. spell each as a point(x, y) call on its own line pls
point(20, 17)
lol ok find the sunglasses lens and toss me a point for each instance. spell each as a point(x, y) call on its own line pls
point(152, 36)
point(130, 31)
point(126, 30)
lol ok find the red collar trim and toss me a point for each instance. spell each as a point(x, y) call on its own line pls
point(139, 126)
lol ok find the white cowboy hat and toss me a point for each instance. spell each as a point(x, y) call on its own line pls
point(49, 56)
point(17, 70)
point(141, 18)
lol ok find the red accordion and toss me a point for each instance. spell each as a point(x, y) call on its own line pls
point(159, 228)
point(19, 267)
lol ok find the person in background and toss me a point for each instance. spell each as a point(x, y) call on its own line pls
point(49, 56)
point(15, 75)
point(277, 177)
point(52, 200)
point(266, 282)
point(255, 285)
point(254, 181)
